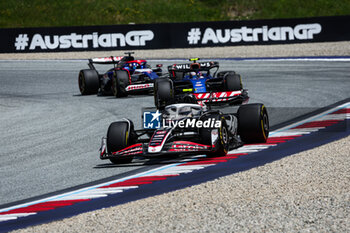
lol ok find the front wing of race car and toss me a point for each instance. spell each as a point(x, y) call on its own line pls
point(139, 87)
point(140, 84)
point(143, 149)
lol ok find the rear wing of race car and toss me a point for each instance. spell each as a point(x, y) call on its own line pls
point(104, 61)
point(110, 60)
point(188, 67)
point(177, 71)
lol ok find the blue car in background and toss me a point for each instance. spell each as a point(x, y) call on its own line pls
point(199, 82)
point(128, 76)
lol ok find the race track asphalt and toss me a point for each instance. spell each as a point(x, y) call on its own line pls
point(50, 134)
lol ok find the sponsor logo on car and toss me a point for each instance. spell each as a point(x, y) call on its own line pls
point(188, 66)
point(192, 147)
point(139, 86)
point(152, 149)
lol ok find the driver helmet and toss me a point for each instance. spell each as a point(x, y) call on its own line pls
point(200, 75)
point(132, 66)
point(196, 75)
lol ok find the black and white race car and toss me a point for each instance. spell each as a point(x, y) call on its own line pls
point(128, 76)
point(199, 82)
point(186, 129)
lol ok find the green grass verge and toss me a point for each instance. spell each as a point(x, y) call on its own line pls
point(46, 13)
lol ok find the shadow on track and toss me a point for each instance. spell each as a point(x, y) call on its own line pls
point(139, 162)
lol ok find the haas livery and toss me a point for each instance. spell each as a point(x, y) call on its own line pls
point(249, 124)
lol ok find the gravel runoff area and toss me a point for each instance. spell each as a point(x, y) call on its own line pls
point(302, 49)
point(305, 192)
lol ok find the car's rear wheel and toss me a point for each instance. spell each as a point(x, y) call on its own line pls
point(163, 93)
point(232, 82)
point(253, 123)
point(118, 138)
point(88, 82)
point(119, 82)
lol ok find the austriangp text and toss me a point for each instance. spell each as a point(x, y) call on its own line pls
point(246, 34)
point(74, 40)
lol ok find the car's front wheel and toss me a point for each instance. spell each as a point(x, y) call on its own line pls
point(220, 136)
point(119, 136)
point(163, 93)
point(119, 83)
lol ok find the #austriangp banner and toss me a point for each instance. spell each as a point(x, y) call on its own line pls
point(174, 35)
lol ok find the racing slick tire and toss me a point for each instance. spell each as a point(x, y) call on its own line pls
point(119, 82)
point(119, 138)
point(222, 144)
point(253, 123)
point(232, 82)
point(88, 82)
point(163, 93)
